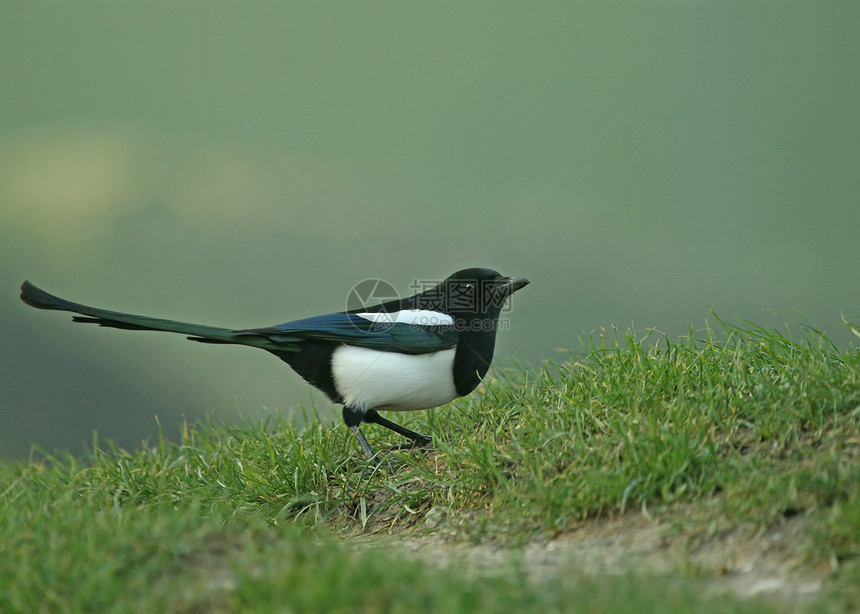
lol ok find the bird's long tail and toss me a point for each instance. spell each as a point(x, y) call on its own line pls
point(40, 299)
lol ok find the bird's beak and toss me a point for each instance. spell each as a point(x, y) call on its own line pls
point(512, 284)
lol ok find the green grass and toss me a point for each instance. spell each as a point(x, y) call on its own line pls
point(744, 426)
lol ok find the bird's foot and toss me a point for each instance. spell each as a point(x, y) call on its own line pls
point(421, 442)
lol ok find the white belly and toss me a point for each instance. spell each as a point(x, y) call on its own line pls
point(388, 381)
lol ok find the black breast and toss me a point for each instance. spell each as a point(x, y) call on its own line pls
point(472, 359)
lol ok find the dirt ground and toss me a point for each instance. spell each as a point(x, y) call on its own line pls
point(742, 560)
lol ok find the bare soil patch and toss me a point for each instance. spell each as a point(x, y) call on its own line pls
point(744, 560)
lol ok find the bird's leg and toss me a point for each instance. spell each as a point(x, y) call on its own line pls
point(363, 441)
point(417, 438)
point(352, 418)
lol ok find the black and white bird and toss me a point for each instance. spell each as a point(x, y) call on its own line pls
point(402, 355)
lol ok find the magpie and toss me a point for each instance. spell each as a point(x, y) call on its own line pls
point(401, 355)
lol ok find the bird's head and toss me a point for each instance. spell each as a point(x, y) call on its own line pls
point(472, 294)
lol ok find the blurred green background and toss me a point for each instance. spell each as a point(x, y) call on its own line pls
point(243, 164)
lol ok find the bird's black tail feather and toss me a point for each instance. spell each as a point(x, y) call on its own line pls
point(36, 297)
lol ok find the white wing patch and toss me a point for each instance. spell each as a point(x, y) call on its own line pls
point(413, 317)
